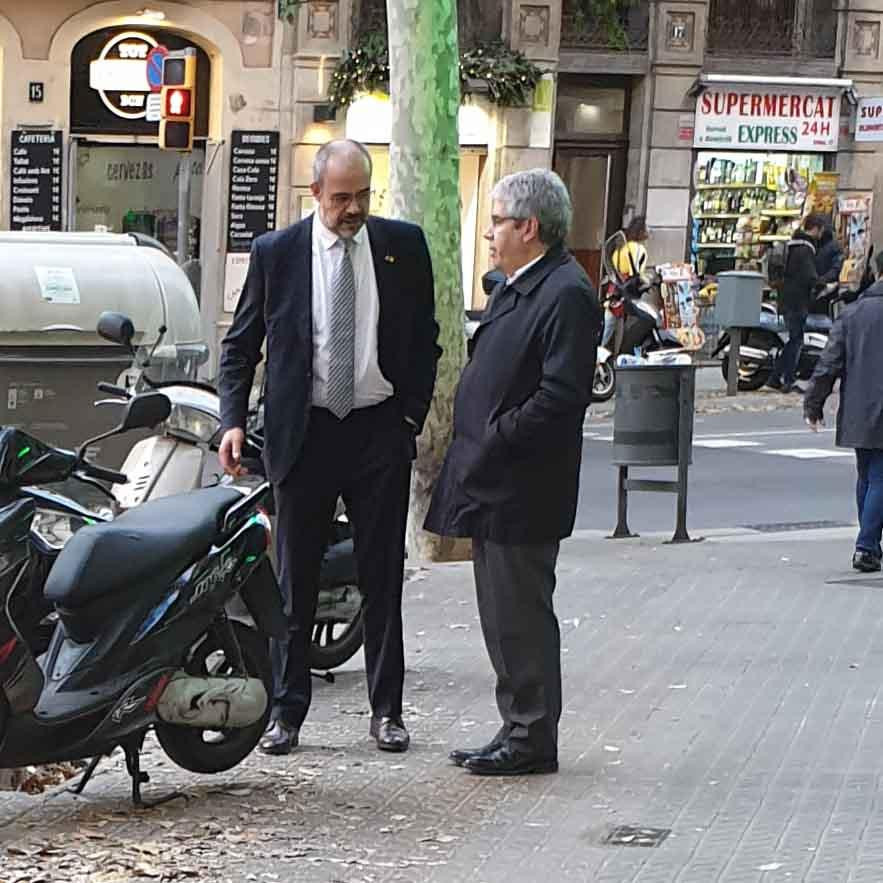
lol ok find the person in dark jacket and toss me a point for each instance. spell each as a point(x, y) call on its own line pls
point(798, 287)
point(854, 354)
point(829, 257)
point(510, 479)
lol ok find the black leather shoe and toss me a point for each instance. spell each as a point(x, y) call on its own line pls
point(461, 755)
point(504, 761)
point(390, 733)
point(279, 739)
point(865, 562)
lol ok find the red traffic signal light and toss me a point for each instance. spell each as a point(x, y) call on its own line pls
point(177, 103)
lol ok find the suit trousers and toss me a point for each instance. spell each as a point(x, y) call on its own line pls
point(514, 585)
point(366, 459)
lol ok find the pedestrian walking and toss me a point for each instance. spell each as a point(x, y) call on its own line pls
point(798, 287)
point(345, 303)
point(854, 355)
point(511, 475)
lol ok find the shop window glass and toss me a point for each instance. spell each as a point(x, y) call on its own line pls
point(124, 189)
point(590, 111)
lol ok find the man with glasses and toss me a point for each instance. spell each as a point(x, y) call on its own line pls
point(511, 475)
point(345, 303)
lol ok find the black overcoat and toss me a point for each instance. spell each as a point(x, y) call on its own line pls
point(854, 354)
point(511, 474)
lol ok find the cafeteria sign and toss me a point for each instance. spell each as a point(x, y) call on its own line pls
point(767, 118)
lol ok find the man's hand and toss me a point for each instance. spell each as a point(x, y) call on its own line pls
point(230, 452)
point(814, 423)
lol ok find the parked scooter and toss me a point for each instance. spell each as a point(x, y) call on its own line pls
point(640, 326)
point(182, 456)
point(143, 639)
point(762, 347)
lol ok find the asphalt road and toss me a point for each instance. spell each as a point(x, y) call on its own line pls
point(748, 469)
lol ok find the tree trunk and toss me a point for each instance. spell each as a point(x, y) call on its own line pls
point(425, 188)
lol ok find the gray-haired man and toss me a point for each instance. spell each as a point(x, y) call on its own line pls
point(511, 476)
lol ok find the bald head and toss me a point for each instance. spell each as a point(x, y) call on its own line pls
point(340, 153)
point(342, 186)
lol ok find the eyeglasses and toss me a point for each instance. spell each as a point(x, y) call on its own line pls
point(342, 200)
point(497, 221)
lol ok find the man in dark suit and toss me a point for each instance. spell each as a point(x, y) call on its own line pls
point(345, 302)
point(511, 476)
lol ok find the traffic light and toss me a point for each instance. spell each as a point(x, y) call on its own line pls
point(178, 100)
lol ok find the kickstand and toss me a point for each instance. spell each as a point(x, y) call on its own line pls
point(87, 775)
point(328, 676)
point(139, 778)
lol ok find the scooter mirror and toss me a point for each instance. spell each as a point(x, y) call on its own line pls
point(144, 411)
point(117, 328)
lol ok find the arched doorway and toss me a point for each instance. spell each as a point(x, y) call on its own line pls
point(120, 180)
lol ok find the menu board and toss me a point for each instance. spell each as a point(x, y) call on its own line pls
point(35, 186)
point(254, 173)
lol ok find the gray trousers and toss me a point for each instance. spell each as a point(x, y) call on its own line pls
point(514, 585)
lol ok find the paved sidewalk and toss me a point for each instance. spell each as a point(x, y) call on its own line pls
point(726, 691)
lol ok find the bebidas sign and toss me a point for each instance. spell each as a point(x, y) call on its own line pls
point(767, 118)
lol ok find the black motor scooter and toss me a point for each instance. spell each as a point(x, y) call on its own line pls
point(143, 639)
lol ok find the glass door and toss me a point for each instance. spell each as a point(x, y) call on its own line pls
point(587, 177)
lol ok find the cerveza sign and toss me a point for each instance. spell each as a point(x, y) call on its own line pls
point(767, 118)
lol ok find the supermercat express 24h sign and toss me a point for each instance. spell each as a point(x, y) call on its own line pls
point(775, 118)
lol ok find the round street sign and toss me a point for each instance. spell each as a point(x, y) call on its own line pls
point(154, 67)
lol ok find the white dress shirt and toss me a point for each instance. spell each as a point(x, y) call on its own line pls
point(522, 270)
point(371, 387)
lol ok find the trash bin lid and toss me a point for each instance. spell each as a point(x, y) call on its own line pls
point(54, 286)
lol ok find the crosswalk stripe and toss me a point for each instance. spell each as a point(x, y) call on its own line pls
point(811, 453)
point(724, 443)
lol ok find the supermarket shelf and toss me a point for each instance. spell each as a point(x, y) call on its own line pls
point(781, 212)
point(735, 187)
point(774, 238)
point(717, 245)
point(719, 217)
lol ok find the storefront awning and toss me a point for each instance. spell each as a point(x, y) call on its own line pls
point(705, 81)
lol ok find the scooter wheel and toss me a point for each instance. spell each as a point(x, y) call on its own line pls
point(604, 382)
point(330, 648)
point(212, 751)
point(750, 378)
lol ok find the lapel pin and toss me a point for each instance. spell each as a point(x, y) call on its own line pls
point(390, 259)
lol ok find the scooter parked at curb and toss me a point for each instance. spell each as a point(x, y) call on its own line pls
point(143, 639)
point(762, 346)
point(182, 456)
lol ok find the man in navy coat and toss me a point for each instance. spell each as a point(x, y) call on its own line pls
point(511, 476)
point(345, 304)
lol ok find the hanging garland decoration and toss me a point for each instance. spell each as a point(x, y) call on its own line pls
point(509, 75)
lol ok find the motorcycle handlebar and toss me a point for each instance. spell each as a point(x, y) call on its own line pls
point(113, 390)
point(102, 474)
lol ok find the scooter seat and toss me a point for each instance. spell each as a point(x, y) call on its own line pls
point(148, 545)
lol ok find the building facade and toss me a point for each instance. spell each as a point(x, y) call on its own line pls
point(678, 97)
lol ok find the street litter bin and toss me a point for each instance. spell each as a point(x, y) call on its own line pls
point(53, 288)
point(739, 295)
point(650, 426)
point(653, 426)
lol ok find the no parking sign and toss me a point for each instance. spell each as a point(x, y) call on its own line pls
point(155, 59)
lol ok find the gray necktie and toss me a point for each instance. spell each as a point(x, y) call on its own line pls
point(342, 354)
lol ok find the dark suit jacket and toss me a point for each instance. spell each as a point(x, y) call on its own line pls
point(276, 304)
point(853, 354)
point(511, 474)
